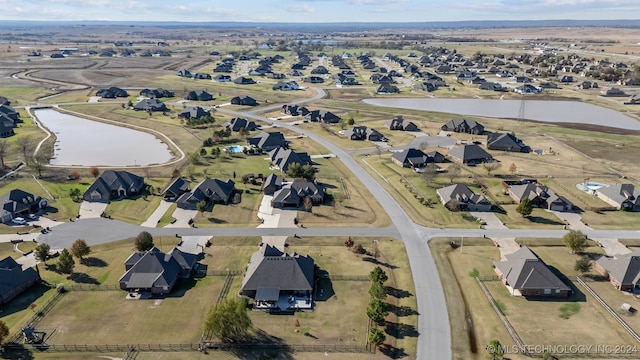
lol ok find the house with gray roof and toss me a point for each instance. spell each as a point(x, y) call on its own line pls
point(244, 81)
point(323, 116)
point(278, 281)
point(199, 95)
point(282, 158)
point(150, 105)
point(14, 279)
point(268, 141)
point(540, 196)
point(364, 133)
point(6, 126)
point(236, 124)
point(460, 197)
point(622, 196)
point(506, 142)
point(272, 184)
point(156, 272)
point(9, 112)
point(18, 203)
point(193, 112)
point(469, 154)
point(461, 125)
point(177, 187)
point(111, 93)
point(410, 158)
point(623, 271)
point(525, 274)
point(156, 93)
point(243, 100)
point(212, 191)
point(398, 123)
point(112, 184)
point(292, 194)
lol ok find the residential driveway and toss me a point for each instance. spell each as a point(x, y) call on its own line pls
point(27, 261)
point(573, 219)
point(275, 218)
point(91, 210)
point(182, 217)
point(153, 219)
point(610, 246)
point(507, 245)
point(44, 222)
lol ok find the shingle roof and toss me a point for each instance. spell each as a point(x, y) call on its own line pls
point(624, 268)
point(13, 277)
point(621, 193)
point(469, 152)
point(525, 270)
point(270, 267)
point(152, 269)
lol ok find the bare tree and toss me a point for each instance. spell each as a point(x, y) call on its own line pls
point(490, 166)
point(429, 174)
point(25, 146)
point(4, 149)
point(513, 168)
point(453, 172)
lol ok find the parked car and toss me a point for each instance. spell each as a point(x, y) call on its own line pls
point(19, 221)
point(32, 216)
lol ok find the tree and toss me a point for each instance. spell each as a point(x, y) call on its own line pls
point(201, 206)
point(80, 249)
point(37, 162)
point(25, 145)
point(75, 175)
point(74, 194)
point(513, 168)
point(42, 252)
point(307, 203)
point(377, 310)
point(228, 320)
point(453, 172)
point(94, 171)
point(349, 242)
point(575, 240)
point(525, 208)
point(378, 275)
point(175, 174)
point(495, 349)
point(4, 149)
point(4, 331)
point(144, 241)
point(490, 166)
point(377, 291)
point(583, 265)
point(376, 337)
point(66, 262)
point(203, 151)
point(297, 171)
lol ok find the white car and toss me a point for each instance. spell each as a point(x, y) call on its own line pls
point(19, 221)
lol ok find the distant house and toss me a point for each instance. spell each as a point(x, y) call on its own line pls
point(277, 281)
point(364, 133)
point(199, 95)
point(156, 272)
point(202, 76)
point(460, 197)
point(292, 194)
point(461, 125)
point(623, 271)
point(313, 79)
point(506, 142)
point(150, 105)
point(470, 154)
point(10, 113)
point(410, 158)
point(436, 157)
point(18, 203)
point(14, 279)
point(525, 274)
point(295, 110)
point(539, 195)
point(613, 92)
point(112, 93)
point(268, 141)
point(492, 86)
point(177, 187)
point(387, 88)
point(286, 86)
point(211, 191)
point(244, 100)
point(221, 78)
point(236, 124)
point(527, 89)
point(193, 112)
point(398, 123)
point(622, 196)
point(271, 184)
point(244, 81)
point(156, 93)
point(282, 158)
point(323, 116)
point(112, 184)
point(184, 73)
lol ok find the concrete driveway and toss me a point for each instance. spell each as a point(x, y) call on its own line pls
point(610, 245)
point(91, 210)
point(153, 219)
point(507, 245)
point(182, 217)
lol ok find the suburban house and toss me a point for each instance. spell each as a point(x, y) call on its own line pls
point(202, 76)
point(286, 86)
point(156, 272)
point(623, 271)
point(17, 203)
point(460, 197)
point(221, 78)
point(271, 184)
point(470, 154)
point(398, 124)
point(193, 112)
point(236, 124)
point(292, 194)
point(6, 126)
point(199, 95)
point(436, 157)
point(282, 158)
point(14, 279)
point(364, 133)
point(527, 89)
point(461, 125)
point(622, 196)
point(323, 116)
point(268, 141)
point(112, 93)
point(613, 92)
point(506, 142)
point(156, 93)
point(112, 184)
point(244, 81)
point(208, 190)
point(177, 187)
point(277, 281)
point(150, 105)
point(295, 110)
point(525, 274)
point(410, 158)
point(539, 195)
point(184, 73)
point(9, 112)
point(244, 100)
point(387, 88)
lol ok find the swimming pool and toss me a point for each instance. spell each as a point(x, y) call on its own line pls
point(236, 148)
point(590, 186)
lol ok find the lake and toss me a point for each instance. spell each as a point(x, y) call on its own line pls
point(90, 143)
point(537, 110)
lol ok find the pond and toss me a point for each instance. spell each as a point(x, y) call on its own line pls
point(538, 110)
point(90, 143)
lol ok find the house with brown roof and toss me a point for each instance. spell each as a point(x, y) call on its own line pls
point(622, 196)
point(460, 197)
point(469, 154)
point(525, 274)
point(540, 196)
point(623, 271)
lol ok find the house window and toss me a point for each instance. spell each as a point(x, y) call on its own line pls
point(547, 291)
point(557, 291)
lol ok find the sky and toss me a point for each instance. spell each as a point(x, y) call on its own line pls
point(309, 11)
